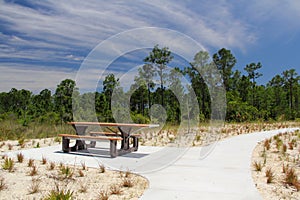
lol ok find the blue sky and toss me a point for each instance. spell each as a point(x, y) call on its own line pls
point(44, 42)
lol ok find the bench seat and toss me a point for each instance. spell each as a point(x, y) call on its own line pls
point(80, 144)
point(93, 133)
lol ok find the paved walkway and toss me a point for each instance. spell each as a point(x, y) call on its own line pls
point(224, 174)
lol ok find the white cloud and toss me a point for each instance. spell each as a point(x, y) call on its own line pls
point(65, 31)
point(34, 79)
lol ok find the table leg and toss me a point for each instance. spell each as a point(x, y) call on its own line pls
point(125, 141)
point(65, 145)
point(135, 143)
point(80, 144)
point(113, 148)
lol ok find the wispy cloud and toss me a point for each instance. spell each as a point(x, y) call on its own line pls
point(50, 33)
point(33, 78)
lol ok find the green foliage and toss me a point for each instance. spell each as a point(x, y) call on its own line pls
point(160, 57)
point(10, 130)
point(60, 194)
point(8, 164)
point(225, 61)
point(66, 172)
point(139, 118)
point(27, 115)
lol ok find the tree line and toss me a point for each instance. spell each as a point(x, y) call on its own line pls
point(156, 84)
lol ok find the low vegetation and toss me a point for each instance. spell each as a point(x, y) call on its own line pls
point(61, 182)
point(281, 169)
point(8, 164)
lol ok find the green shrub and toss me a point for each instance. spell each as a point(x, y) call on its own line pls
point(139, 119)
point(8, 164)
point(66, 172)
point(58, 194)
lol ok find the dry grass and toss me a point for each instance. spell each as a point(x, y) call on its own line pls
point(3, 185)
point(10, 146)
point(80, 173)
point(44, 160)
point(285, 168)
point(2, 145)
point(115, 189)
point(284, 159)
point(291, 178)
point(83, 188)
point(257, 166)
point(34, 186)
point(267, 144)
point(83, 166)
point(51, 166)
point(33, 171)
point(66, 172)
point(101, 168)
point(270, 175)
point(20, 157)
point(103, 195)
point(85, 185)
point(30, 162)
point(127, 182)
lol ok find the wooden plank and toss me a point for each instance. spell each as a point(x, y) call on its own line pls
point(90, 138)
point(104, 133)
point(114, 124)
point(135, 135)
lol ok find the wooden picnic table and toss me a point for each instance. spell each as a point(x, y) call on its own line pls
point(125, 136)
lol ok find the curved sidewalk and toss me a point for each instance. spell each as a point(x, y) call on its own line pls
point(224, 174)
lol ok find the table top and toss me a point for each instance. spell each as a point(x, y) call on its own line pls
point(113, 124)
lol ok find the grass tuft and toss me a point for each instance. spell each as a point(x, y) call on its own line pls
point(44, 160)
point(290, 177)
point(284, 148)
point(34, 186)
point(285, 168)
point(51, 165)
point(115, 189)
point(83, 166)
point(33, 171)
point(83, 188)
point(127, 182)
point(30, 162)
point(267, 144)
point(8, 164)
point(3, 185)
point(102, 168)
point(257, 166)
point(20, 157)
point(270, 175)
point(10, 146)
point(80, 172)
point(103, 195)
point(66, 172)
point(60, 194)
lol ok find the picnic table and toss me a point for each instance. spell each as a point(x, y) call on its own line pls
point(125, 135)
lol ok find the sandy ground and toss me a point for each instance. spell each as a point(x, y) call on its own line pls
point(206, 134)
point(90, 183)
point(280, 155)
point(85, 183)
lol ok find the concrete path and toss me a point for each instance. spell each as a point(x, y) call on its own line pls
point(225, 173)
